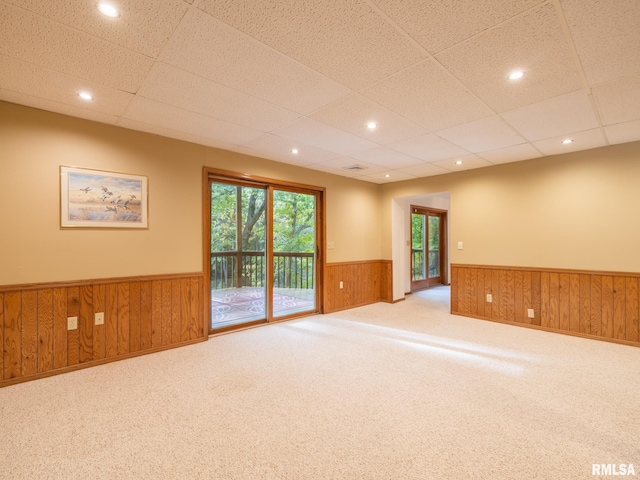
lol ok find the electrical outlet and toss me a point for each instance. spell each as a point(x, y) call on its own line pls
point(530, 313)
point(489, 298)
point(72, 323)
point(99, 318)
point(341, 285)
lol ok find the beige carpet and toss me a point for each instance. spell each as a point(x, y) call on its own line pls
point(402, 391)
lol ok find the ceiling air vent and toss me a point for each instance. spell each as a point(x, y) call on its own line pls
point(354, 168)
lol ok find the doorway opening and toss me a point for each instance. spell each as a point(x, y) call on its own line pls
point(428, 247)
point(263, 244)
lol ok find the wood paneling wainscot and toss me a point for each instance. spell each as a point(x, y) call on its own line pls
point(141, 315)
point(363, 283)
point(600, 305)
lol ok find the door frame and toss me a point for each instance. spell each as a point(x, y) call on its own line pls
point(213, 174)
point(444, 253)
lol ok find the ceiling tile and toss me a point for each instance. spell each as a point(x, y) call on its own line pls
point(346, 40)
point(211, 49)
point(606, 34)
point(534, 42)
point(393, 176)
point(428, 147)
point(182, 89)
point(34, 39)
point(623, 132)
point(581, 141)
point(567, 113)
point(428, 96)
point(280, 148)
point(619, 101)
point(143, 25)
point(316, 134)
point(353, 112)
point(485, 134)
point(469, 162)
point(340, 163)
point(57, 107)
point(385, 157)
point(438, 25)
point(424, 170)
point(515, 153)
point(169, 133)
point(35, 81)
point(173, 118)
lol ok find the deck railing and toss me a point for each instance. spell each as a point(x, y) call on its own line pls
point(418, 270)
point(248, 269)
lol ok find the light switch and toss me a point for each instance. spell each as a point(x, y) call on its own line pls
point(459, 245)
point(331, 245)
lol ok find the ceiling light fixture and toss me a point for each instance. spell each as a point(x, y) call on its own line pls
point(459, 162)
point(294, 151)
point(108, 10)
point(566, 141)
point(516, 75)
point(85, 96)
point(371, 125)
point(387, 176)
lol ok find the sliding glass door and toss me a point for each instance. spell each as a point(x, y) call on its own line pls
point(427, 247)
point(264, 244)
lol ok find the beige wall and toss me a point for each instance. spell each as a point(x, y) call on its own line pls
point(577, 210)
point(33, 247)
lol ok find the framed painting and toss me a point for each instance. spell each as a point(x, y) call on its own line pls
point(95, 198)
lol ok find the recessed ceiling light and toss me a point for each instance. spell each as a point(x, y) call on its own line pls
point(108, 10)
point(516, 74)
point(459, 162)
point(294, 150)
point(371, 125)
point(85, 95)
point(567, 141)
point(387, 176)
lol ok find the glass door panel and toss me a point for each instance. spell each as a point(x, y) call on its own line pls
point(418, 269)
point(238, 254)
point(434, 246)
point(294, 253)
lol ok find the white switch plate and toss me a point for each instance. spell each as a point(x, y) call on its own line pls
point(331, 245)
point(530, 313)
point(341, 285)
point(72, 323)
point(489, 298)
point(99, 318)
point(459, 245)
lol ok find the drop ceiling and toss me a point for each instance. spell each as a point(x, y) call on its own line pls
point(265, 77)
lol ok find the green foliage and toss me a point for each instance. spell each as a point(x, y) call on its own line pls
point(293, 222)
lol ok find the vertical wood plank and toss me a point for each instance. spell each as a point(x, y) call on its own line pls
point(631, 314)
point(527, 301)
point(596, 305)
point(495, 287)
point(196, 323)
point(85, 324)
point(574, 302)
point(146, 325)
point(487, 289)
point(536, 297)
point(12, 338)
point(480, 296)
point(59, 328)
point(607, 306)
point(73, 310)
point(510, 296)
point(111, 320)
point(554, 300)
point(166, 312)
point(504, 295)
point(134, 316)
point(619, 308)
point(454, 290)
point(1, 335)
point(156, 313)
point(99, 306)
point(472, 293)
point(564, 302)
point(186, 309)
point(45, 330)
point(123, 318)
point(175, 311)
point(585, 303)
point(518, 300)
point(29, 332)
point(545, 294)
